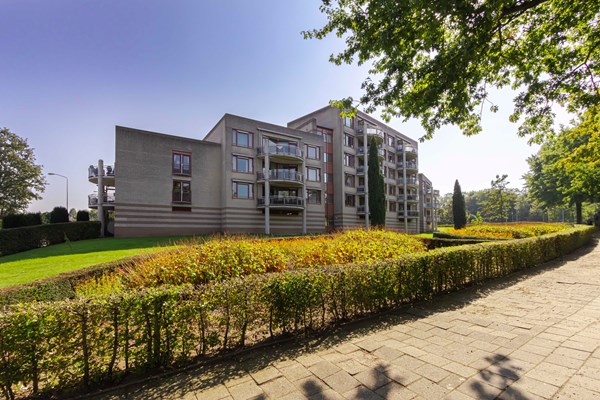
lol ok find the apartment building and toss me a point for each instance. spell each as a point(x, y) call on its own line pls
point(256, 177)
point(428, 203)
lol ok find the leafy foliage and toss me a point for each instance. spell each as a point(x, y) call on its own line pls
point(21, 180)
point(59, 215)
point(459, 215)
point(437, 60)
point(508, 231)
point(18, 220)
point(81, 343)
point(377, 202)
point(82, 215)
point(567, 167)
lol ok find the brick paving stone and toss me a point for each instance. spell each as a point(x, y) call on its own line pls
point(213, 393)
point(432, 372)
point(278, 387)
point(323, 369)
point(295, 371)
point(245, 391)
point(372, 379)
point(361, 393)
point(265, 374)
point(573, 392)
point(550, 373)
point(395, 391)
point(352, 366)
point(428, 389)
point(341, 381)
point(452, 381)
point(478, 389)
point(531, 385)
point(401, 375)
point(407, 361)
point(310, 385)
point(328, 394)
point(459, 369)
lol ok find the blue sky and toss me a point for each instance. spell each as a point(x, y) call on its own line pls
point(73, 69)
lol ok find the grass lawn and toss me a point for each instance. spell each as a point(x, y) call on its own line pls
point(35, 264)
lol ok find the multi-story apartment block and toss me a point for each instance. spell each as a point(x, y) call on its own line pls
point(429, 203)
point(256, 177)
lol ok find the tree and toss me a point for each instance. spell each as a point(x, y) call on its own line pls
point(445, 210)
point(376, 187)
point(437, 60)
point(58, 215)
point(21, 180)
point(496, 205)
point(566, 169)
point(459, 213)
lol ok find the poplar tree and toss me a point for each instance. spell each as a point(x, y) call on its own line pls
point(376, 188)
point(459, 212)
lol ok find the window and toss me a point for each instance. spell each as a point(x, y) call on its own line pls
point(327, 177)
point(390, 140)
point(182, 163)
point(243, 138)
point(392, 173)
point(243, 190)
point(242, 164)
point(328, 157)
point(350, 200)
point(313, 152)
point(314, 196)
point(391, 157)
point(348, 140)
point(348, 160)
point(392, 206)
point(349, 122)
point(182, 192)
point(392, 190)
point(349, 180)
point(313, 174)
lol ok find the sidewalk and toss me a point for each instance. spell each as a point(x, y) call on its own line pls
point(533, 335)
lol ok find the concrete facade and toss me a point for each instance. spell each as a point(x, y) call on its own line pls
point(249, 176)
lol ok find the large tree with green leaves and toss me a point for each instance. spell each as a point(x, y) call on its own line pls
point(376, 187)
point(566, 169)
point(438, 60)
point(500, 201)
point(21, 179)
point(459, 213)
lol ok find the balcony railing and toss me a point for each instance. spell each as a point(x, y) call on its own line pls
point(408, 197)
point(281, 150)
point(106, 199)
point(281, 175)
point(436, 192)
point(407, 148)
point(409, 181)
point(360, 189)
point(375, 132)
point(360, 209)
point(281, 201)
point(109, 171)
point(360, 169)
point(428, 204)
point(361, 151)
point(409, 213)
point(407, 165)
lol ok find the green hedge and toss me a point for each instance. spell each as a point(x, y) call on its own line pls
point(444, 235)
point(82, 343)
point(32, 237)
point(436, 243)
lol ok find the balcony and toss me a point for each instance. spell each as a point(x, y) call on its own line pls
point(407, 165)
point(108, 200)
point(428, 204)
point(288, 176)
point(282, 202)
point(408, 197)
point(408, 214)
point(410, 151)
point(408, 182)
point(360, 209)
point(281, 152)
point(108, 175)
point(360, 170)
point(361, 152)
point(428, 191)
point(436, 192)
point(360, 189)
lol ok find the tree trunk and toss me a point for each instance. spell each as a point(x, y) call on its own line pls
point(578, 213)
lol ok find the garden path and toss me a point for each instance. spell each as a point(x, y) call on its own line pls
point(532, 335)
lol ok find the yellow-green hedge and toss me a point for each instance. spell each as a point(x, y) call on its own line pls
point(46, 347)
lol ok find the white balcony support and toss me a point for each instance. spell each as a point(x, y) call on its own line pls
point(366, 163)
point(101, 197)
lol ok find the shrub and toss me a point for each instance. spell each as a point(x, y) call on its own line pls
point(19, 220)
point(517, 230)
point(83, 215)
point(26, 238)
point(59, 215)
point(84, 342)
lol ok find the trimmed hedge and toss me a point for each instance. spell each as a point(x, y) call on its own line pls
point(444, 235)
point(19, 220)
point(436, 243)
point(86, 342)
point(32, 237)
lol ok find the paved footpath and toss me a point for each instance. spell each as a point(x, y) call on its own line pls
point(533, 335)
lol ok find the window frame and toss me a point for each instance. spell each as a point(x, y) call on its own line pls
point(350, 196)
point(181, 199)
point(180, 170)
point(235, 142)
point(346, 176)
point(348, 156)
point(315, 147)
point(234, 191)
point(314, 191)
point(236, 157)
point(317, 170)
point(348, 140)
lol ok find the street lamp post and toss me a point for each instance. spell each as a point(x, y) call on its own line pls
point(67, 179)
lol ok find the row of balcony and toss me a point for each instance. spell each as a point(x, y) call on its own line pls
point(401, 214)
point(108, 174)
point(287, 175)
point(290, 202)
point(107, 200)
point(285, 151)
point(407, 165)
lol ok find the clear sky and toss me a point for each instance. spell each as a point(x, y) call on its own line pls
point(70, 70)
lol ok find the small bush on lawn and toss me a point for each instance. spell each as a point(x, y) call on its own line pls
point(78, 344)
point(83, 215)
point(59, 215)
point(19, 220)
